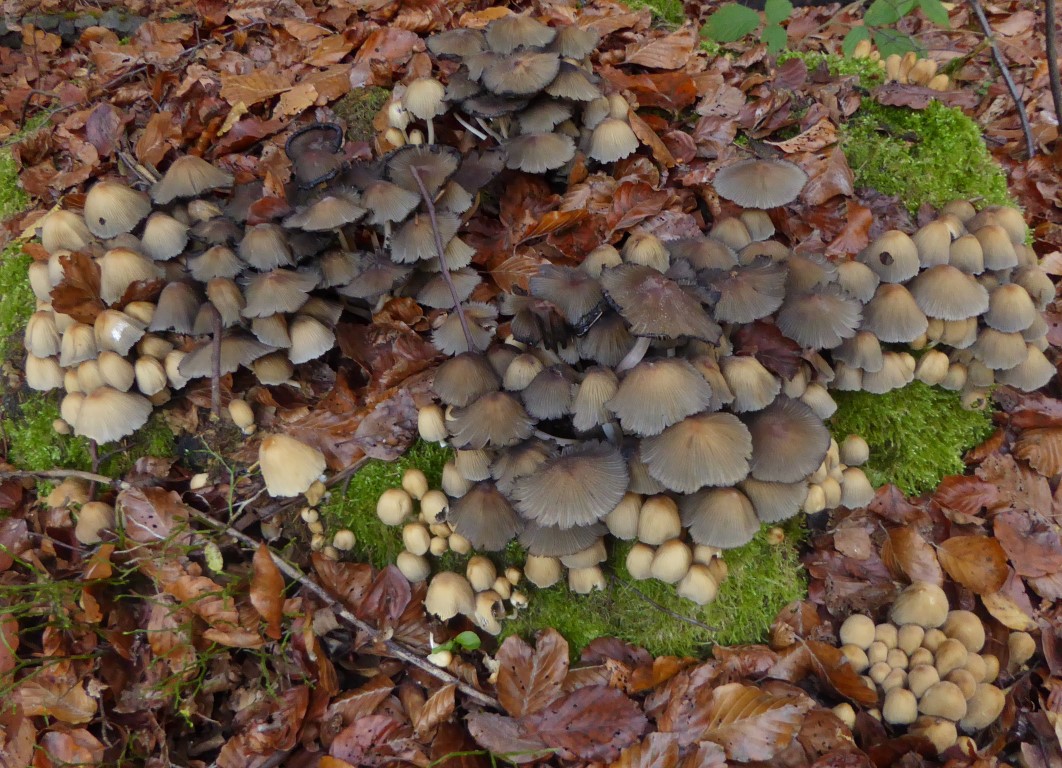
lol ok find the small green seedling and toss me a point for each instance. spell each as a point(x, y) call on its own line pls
point(463, 641)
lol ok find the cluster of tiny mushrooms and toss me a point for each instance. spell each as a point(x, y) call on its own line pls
point(929, 665)
point(617, 402)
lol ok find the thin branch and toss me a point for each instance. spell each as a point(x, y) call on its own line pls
point(397, 650)
point(1030, 143)
point(441, 252)
point(215, 373)
point(60, 474)
point(663, 608)
point(1051, 34)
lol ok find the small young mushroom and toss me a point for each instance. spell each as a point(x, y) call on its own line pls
point(639, 561)
point(416, 538)
point(415, 483)
point(94, 517)
point(698, 585)
point(877, 652)
point(921, 603)
point(951, 654)
point(289, 466)
point(921, 677)
point(414, 567)
point(1022, 647)
point(886, 633)
point(543, 572)
point(480, 573)
point(671, 562)
point(943, 699)
point(900, 707)
point(939, 731)
point(858, 630)
point(583, 581)
point(623, 521)
point(431, 425)
point(909, 638)
point(856, 657)
point(658, 520)
point(965, 627)
point(983, 708)
point(344, 540)
point(433, 507)
point(448, 595)
point(394, 506)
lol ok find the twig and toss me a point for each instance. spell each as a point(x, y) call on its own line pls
point(215, 374)
point(665, 609)
point(1026, 129)
point(397, 650)
point(1050, 33)
point(60, 474)
point(440, 251)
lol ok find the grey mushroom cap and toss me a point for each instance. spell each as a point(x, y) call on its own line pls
point(706, 449)
point(657, 393)
point(494, 420)
point(189, 176)
point(579, 487)
point(789, 441)
point(760, 183)
point(485, 517)
point(656, 306)
point(820, 320)
point(464, 378)
point(510, 464)
point(574, 292)
point(554, 541)
point(719, 517)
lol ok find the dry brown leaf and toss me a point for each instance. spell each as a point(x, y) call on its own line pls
point(822, 134)
point(668, 52)
point(966, 495)
point(528, 680)
point(591, 723)
point(438, 709)
point(648, 136)
point(55, 691)
point(657, 750)
point(977, 562)
point(1007, 612)
point(751, 724)
point(150, 515)
point(253, 87)
point(1042, 448)
point(1031, 542)
point(907, 555)
point(296, 100)
point(267, 591)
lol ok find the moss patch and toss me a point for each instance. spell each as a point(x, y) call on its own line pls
point(670, 11)
point(12, 197)
point(869, 73)
point(917, 434)
point(358, 108)
point(16, 298)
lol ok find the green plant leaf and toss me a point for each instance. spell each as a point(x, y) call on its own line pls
point(778, 11)
point(883, 13)
point(731, 22)
point(889, 41)
point(855, 36)
point(935, 12)
point(774, 37)
point(468, 640)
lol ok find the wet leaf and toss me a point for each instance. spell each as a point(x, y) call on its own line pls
point(55, 691)
point(529, 679)
point(386, 598)
point(1008, 613)
point(267, 591)
point(505, 736)
point(78, 293)
point(828, 664)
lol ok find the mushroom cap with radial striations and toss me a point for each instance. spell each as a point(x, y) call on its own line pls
point(656, 306)
point(514, 462)
point(63, 230)
point(415, 239)
point(966, 254)
point(518, 30)
point(117, 331)
point(485, 517)
point(789, 441)
point(732, 232)
point(574, 42)
point(757, 183)
point(947, 293)
point(589, 409)
point(236, 349)
point(265, 246)
point(808, 271)
point(164, 237)
point(106, 414)
point(433, 163)
point(436, 293)
point(551, 393)
point(646, 249)
point(754, 386)
point(112, 208)
point(1031, 374)
point(575, 84)
point(1010, 309)
point(189, 176)
point(328, 212)
point(997, 248)
point(579, 487)
point(543, 116)
point(554, 541)
point(862, 351)
point(425, 98)
point(612, 140)
point(1009, 218)
point(448, 595)
point(574, 292)
point(857, 280)
point(745, 294)
point(657, 393)
point(719, 517)
point(216, 261)
point(388, 202)
point(933, 242)
point(42, 337)
point(523, 74)
point(892, 255)
point(608, 340)
point(774, 502)
point(702, 252)
point(457, 43)
point(289, 466)
point(999, 350)
point(758, 223)
point(893, 315)
point(494, 420)
point(120, 268)
point(310, 338)
point(820, 320)
point(706, 449)
point(463, 378)
point(282, 290)
point(449, 338)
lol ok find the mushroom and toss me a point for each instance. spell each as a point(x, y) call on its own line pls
point(112, 209)
point(448, 595)
point(900, 707)
point(638, 401)
point(857, 630)
point(543, 572)
point(624, 520)
point(945, 700)
point(921, 603)
point(416, 539)
point(983, 708)
point(583, 581)
point(480, 573)
point(698, 585)
point(431, 425)
point(107, 414)
point(394, 506)
point(758, 183)
point(93, 518)
point(189, 176)
point(706, 449)
point(719, 517)
point(289, 466)
point(517, 30)
point(414, 567)
point(612, 139)
point(965, 627)
point(485, 517)
point(579, 487)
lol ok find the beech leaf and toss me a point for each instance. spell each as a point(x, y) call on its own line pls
point(907, 555)
point(751, 724)
point(528, 680)
point(267, 591)
point(977, 562)
point(591, 723)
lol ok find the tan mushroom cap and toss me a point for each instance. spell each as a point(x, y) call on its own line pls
point(456, 42)
point(112, 208)
point(947, 293)
point(754, 386)
point(1010, 309)
point(236, 349)
point(289, 466)
point(657, 393)
point(189, 176)
point(518, 461)
point(539, 152)
point(485, 517)
point(893, 256)
point(551, 393)
point(862, 351)
point(518, 30)
point(893, 315)
point(612, 140)
point(719, 517)
point(63, 230)
point(434, 164)
point(448, 595)
point(107, 414)
point(164, 237)
point(774, 502)
point(282, 290)
point(820, 320)
point(706, 449)
point(589, 409)
point(574, 83)
point(760, 183)
point(464, 378)
point(579, 487)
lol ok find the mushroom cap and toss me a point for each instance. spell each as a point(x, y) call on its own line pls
point(117, 331)
point(43, 373)
point(448, 337)
point(216, 261)
point(415, 239)
point(997, 247)
point(820, 320)
point(523, 74)
point(282, 290)
point(164, 236)
point(892, 255)
point(702, 253)
point(998, 350)
point(433, 163)
point(706, 449)
point(933, 242)
point(921, 603)
point(589, 408)
point(543, 116)
point(554, 541)
point(495, 420)
point(289, 466)
point(655, 394)
point(943, 699)
point(607, 341)
point(448, 595)
point(698, 585)
point(265, 246)
point(893, 315)
point(731, 231)
point(573, 83)
point(518, 30)
point(63, 230)
point(424, 98)
point(485, 517)
point(436, 293)
point(236, 349)
point(42, 337)
point(967, 255)
point(519, 460)
point(573, 42)
point(579, 487)
point(106, 414)
point(112, 208)
point(948, 293)
point(464, 378)
point(745, 294)
point(1010, 309)
point(314, 153)
point(774, 502)
point(551, 393)
point(754, 387)
point(120, 268)
point(862, 351)
point(1031, 374)
point(456, 43)
point(789, 441)
point(612, 140)
point(574, 292)
point(490, 106)
point(189, 176)
point(857, 280)
point(310, 338)
point(719, 517)
point(658, 520)
point(757, 183)
point(328, 212)
point(656, 306)
point(539, 152)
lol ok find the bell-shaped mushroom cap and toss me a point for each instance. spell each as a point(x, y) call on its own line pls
point(999, 350)
point(949, 294)
point(996, 246)
point(967, 255)
point(774, 502)
point(456, 43)
point(579, 487)
point(808, 271)
point(1030, 375)
point(485, 517)
point(894, 374)
point(77, 345)
point(758, 224)
point(265, 246)
point(388, 202)
point(376, 275)
point(539, 152)
point(1010, 309)
point(789, 441)
point(274, 368)
point(933, 242)
point(543, 116)
point(518, 30)
point(510, 464)
point(494, 420)
point(289, 467)
point(337, 268)
point(658, 393)
point(857, 280)
point(42, 336)
point(310, 338)
point(719, 517)
point(415, 239)
point(1035, 280)
point(550, 394)
point(111, 208)
point(612, 140)
point(745, 294)
point(189, 176)
point(449, 338)
point(217, 261)
point(702, 252)
point(282, 290)
point(574, 42)
point(521, 75)
point(436, 293)
point(464, 378)
point(589, 409)
point(646, 249)
point(819, 320)
point(64, 231)
point(314, 153)
point(706, 449)
point(329, 212)
point(489, 106)
point(892, 255)
point(656, 306)
point(236, 349)
point(760, 183)
point(120, 268)
point(272, 330)
point(862, 351)
point(434, 164)
point(753, 386)
point(574, 292)
point(164, 236)
point(117, 331)
point(893, 315)
point(554, 541)
point(608, 340)
point(731, 231)
point(43, 373)
point(227, 298)
point(107, 414)
point(1004, 216)
point(425, 98)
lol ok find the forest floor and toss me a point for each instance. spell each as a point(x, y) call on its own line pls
point(225, 638)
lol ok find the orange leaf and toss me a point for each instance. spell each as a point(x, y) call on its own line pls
point(669, 52)
point(648, 136)
point(1007, 612)
point(253, 87)
point(907, 555)
point(1042, 448)
point(977, 562)
point(751, 724)
point(517, 270)
point(267, 591)
point(552, 222)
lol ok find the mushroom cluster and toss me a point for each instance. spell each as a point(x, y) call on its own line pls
point(905, 69)
point(928, 664)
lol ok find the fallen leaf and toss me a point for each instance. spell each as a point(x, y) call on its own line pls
point(1007, 612)
point(751, 724)
point(909, 556)
point(253, 87)
point(503, 735)
point(150, 515)
point(1032, 544)
point(822, 134)
point(648, 136)
point(1042, 448)
point(529, 679)
point(977, 562)
point(591, 723)
point(267, 591)
point(667, 52)
point(438, 709)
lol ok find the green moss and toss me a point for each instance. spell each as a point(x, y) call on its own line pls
point(354, 507)
point(12, 197)
point(917, 434)
point(930, 156)
point(670, 11)
point(33, 444)
point(16, 298)
point(762, 579)
point(869, 73)
point(358, 108)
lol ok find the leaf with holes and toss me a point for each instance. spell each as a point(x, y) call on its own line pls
point(751, 724)
point(590, 723)
point(436, 710)
point(977, 562)
point(151, 515)
point(528, 680)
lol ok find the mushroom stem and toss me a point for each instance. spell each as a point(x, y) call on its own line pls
point(431, 131)
point(215, 375)
point(443, 268)
point(558, 440)
point(474, 131)
point(635, 356)
point(343, 240)
point(612, 432)
point(492, 133)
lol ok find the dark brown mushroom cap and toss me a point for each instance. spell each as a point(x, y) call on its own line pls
point(456, 43)
point(518, 30)
point(655, 306)
point(464, 378)
point(655, 394)
point(493, 420)
point(236, 349)
point(893, 315)
point(554, 541)
point(490, 106)
point(579, 487)
point(745, 294)
point(329, 212)
point(789, 441)
point(893, 256)
point(774, 502)
point(514, 462)
point(282, 290)
point(574, 292)
point(573, 83)
point(719, 517)
point(947, 293)
point(433, 163)
point(485, 517)
point(760, 183)
point(702, 252)
point(706, 449)
point(551, 393)
point(819, 320)
point(176, 309)
point(574, 42)
point(189, 176)
point(539, 152)
point(522, 74)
